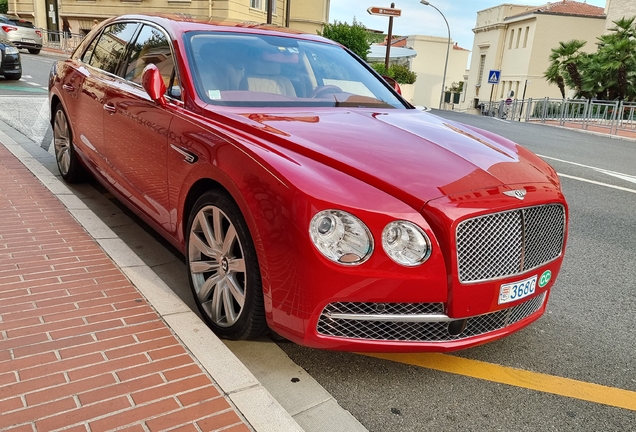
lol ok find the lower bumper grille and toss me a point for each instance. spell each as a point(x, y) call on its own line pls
point(338, 320)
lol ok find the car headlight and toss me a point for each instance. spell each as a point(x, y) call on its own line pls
point(406, 243)
point(11, 50)
point(341, 237)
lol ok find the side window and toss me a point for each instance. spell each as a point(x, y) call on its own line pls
point(86, 57)
point(111, 46)
point(151, 47)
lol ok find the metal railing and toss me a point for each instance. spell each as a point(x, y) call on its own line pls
point(588, 114)
point(58, 40)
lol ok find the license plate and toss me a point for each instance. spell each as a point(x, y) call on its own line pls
point(28, 40)
point(517, 290)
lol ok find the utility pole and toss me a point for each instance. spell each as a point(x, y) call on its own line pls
point(389, 40)
point(269, 10)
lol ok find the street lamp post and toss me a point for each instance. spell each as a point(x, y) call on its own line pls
point(441, 96)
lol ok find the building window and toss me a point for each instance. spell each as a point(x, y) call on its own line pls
point(263, 5)
point(482, 64)
point(525, 37)
point(518, 38)
point(512, 36)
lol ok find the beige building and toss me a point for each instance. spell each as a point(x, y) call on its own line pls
point(517, 40)
point(429, 66)
point(617, 9)
point(305, 15)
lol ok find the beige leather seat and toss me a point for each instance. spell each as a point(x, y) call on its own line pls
point(265, 77)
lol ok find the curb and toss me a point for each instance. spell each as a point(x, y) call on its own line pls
point(237, 383)
point(589, 132)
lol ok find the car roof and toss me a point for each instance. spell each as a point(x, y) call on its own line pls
point(182, 23)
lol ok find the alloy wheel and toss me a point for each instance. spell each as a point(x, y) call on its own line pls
point(217, 266)
point(62, 142)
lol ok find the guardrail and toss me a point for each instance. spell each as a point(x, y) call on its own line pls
point(612, 116)
point(58, 40)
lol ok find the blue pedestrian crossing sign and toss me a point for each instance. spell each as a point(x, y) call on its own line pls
point(493, 76)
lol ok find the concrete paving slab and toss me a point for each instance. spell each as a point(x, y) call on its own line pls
point(120, 253)
point(321, 419)
point(163, 299)
point(94, 225)
point(230, 374)
point(268, 417)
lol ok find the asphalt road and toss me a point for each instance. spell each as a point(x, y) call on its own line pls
point(586, 337)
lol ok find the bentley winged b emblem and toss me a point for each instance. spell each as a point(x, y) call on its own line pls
point(518, 193)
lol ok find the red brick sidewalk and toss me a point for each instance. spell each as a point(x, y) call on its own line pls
point(80, 348)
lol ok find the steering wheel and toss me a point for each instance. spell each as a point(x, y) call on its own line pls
point(325, 90)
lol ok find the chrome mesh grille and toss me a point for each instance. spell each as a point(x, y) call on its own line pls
point(509, 243)
point(418, 331)
point(384, 308)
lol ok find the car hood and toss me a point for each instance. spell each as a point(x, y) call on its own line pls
point(410, 154)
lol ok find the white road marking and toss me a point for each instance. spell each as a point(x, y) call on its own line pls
point(597, 183)
point(622, 176)
point(33, 83)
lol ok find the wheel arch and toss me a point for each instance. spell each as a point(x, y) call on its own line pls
point(205, 184)
point(54, 102)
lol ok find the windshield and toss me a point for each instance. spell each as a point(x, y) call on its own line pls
point(19, 22)
point(236, 69)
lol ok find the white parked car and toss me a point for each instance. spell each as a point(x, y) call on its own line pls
point(22, 33)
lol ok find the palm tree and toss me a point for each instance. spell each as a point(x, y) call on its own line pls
point(616, 55)
point(553, 76)
point(568, 56)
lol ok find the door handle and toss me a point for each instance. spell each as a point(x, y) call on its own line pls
point(110, 108)
point(69, 88)
point(188, 156)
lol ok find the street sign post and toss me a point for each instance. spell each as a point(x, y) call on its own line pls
point(493, 78)
point(390, 12)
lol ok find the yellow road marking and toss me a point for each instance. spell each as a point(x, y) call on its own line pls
point(517, 377)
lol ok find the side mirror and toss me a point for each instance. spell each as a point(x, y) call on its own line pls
point(152, 82)
point(393, 83)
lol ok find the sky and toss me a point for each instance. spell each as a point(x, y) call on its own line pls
point(417, 18)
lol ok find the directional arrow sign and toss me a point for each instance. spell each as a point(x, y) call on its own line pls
point(390, 12)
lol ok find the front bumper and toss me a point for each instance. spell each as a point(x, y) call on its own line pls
point(11, 64)
point(402, 311)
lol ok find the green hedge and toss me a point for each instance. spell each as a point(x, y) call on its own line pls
point(400, 73)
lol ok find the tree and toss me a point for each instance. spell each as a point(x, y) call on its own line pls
point(4, 6)
point(553, 76)
point(354, 36)
point(609, 73)
point(567, 58)
point(616, 57)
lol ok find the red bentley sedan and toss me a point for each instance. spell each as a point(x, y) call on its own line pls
point(306, 194)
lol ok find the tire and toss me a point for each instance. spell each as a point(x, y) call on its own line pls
point(13, 76)
point(34, 51)
point(68, 163)
point(223, 268)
